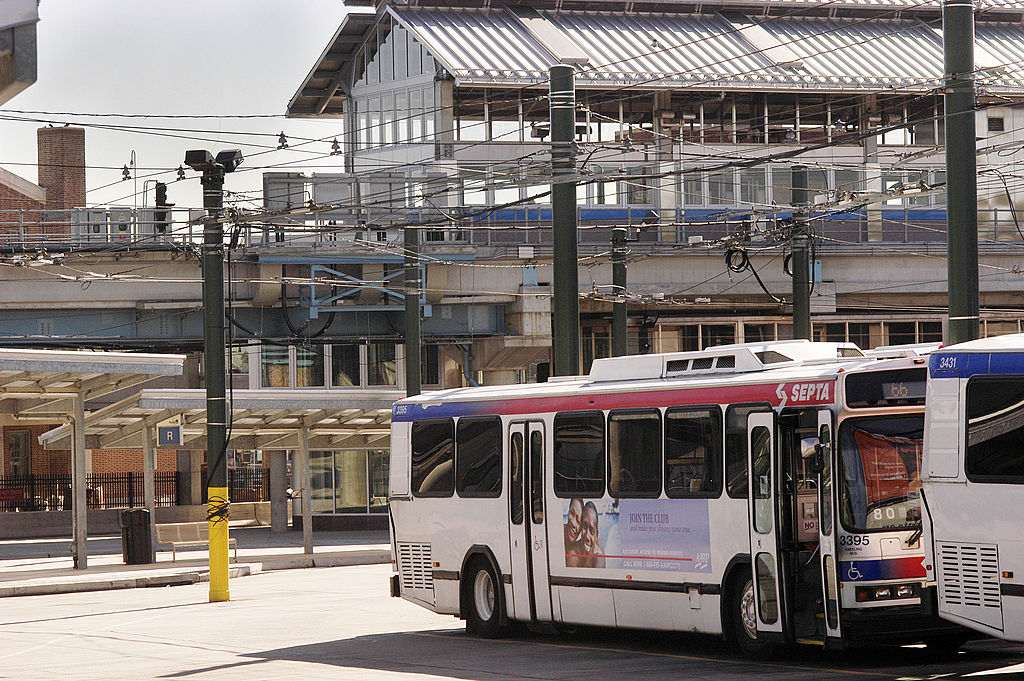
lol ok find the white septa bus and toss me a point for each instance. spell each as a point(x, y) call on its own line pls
point(972, 477)
point(768, 492)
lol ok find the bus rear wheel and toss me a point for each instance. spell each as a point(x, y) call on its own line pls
point(743, 619)
point(484, 604)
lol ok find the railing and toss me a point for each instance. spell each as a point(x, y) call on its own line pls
point(513, 226)
point(103, 490)
point(244, 484)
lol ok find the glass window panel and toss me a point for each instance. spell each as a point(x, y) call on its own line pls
point(537, 477)
point(19, 452)
point(238, 359)
point(634, 453)
point(767, 601)
point(345, 365)
point(901, 333)
point(752, 186)
point(416, 115)
point(579, 454)
point(761, 474)
point(382, 369)
point(433, 457)
point(274, 366)
point(478, 457)
point(720, 188)
point(321, 470)
point(428, 106)
point(693, 452)
point(825, 437)
point(782, 186)
point(516, 456)
point(399, 39)
point(430, 373)
point(736, 448)
point(995, 430)
point(350, 491)
point(309, 367)
point(388, 118)
point(693, 193)
point(379, 465)
point(717, 334)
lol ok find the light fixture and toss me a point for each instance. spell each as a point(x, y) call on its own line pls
point(335, 147)
point(181, 173)
point(282, 141)
point(125, 173)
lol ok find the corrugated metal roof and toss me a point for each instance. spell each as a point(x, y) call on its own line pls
point(670, 50)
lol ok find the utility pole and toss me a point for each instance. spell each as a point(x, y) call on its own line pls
point(412, 312)
point(961, 170)
point(619, 284)
point(565, 334)
point(800, 262)
point(213, 171)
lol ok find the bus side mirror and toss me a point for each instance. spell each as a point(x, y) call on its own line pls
point(817, 461)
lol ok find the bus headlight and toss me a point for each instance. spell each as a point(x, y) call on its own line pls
point(886, 593)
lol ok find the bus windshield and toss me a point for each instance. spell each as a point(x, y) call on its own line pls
point(880, 461)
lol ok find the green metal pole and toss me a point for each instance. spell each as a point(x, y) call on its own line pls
point(213, 357)
point(619, 282)
point(412, 312)
point(566, 313)
point(961, 170)
point(801, 256)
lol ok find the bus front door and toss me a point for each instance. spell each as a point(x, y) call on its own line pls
point(826, 530)
point(531, 591)
point(763, 521)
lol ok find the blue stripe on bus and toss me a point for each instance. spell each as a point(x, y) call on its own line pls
point(967, 364)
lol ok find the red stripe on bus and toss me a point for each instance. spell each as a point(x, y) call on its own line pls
point(602, 555)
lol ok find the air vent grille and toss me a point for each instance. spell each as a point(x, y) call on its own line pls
point(726, 362)
point(702, 363)
point(969, 575)
point(415, 567)
point(772, 357)
point(674, 365)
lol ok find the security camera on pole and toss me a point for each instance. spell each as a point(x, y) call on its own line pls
point(213, 170)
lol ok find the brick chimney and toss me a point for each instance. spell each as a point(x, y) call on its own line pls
point(61, 154)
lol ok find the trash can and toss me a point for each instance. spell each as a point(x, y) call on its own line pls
point(136, 540)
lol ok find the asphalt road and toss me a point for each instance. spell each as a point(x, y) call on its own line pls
point(339, 623)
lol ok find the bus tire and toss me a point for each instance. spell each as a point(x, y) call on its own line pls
point(743, 618)
point(484, 602)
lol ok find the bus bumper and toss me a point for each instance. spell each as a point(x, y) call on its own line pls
point(901, 624)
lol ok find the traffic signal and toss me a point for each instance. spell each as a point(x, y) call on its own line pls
point(161, 217)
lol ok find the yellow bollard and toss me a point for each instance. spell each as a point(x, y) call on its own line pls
point(218, 515)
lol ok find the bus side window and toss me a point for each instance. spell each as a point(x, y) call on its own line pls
point(693, 452)
point(634, 453)
point(579, 454)
point(736, 447)
point(478, 457)
point(515, 455)
point(433, 457)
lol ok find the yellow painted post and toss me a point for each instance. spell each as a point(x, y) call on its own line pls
point(219, 556)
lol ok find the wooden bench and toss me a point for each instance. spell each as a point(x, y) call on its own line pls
point(187, 534)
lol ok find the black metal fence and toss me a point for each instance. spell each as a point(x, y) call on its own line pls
point(121, 490)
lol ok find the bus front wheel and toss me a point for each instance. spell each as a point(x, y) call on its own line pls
point(484, 603)
point(743, 619)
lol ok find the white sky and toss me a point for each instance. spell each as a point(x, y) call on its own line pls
point(184, 57)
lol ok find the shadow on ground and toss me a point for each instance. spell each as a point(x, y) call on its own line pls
point(590, 655)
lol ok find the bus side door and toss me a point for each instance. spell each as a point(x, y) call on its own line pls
point(826, 526)
point(763, 503)
point(531, 590)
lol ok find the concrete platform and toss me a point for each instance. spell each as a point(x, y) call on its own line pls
point(32, 567)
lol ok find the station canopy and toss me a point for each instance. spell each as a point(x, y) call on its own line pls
point(873, 46)
point(41, 384)
point(260, 419)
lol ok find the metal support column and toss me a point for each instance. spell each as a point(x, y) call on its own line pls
point(79, 518)
point(149, 486)
point(961, 170)
point(307, 490)
point(619, 310)
point(565, 334)
point(412, 312)
point(800, 262)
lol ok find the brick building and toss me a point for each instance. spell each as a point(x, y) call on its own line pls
point(61, 154)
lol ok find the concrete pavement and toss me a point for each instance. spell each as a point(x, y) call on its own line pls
point(32, 567)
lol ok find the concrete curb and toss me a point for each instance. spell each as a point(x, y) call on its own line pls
point(113, 580)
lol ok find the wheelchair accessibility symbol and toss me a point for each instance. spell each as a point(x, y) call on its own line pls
point(853, 574)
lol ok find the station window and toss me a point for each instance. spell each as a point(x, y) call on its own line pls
point(995, 432)
point(693, 452)
point(433, 457)
point(579, 454)
point(478, 457)
point(634, 453)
